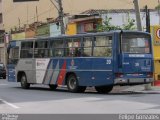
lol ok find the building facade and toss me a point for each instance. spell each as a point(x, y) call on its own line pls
point(2, 33)
point(120, 17)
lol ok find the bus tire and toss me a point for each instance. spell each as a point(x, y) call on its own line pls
point(104, 89)
point(53, 87)
point(24, 83)
point(4, 77)
point(73, 86)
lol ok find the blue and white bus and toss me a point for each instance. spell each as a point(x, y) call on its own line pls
point(101, 60)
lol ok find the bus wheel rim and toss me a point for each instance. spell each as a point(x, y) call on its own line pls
point(72, 83)
point(23, 80)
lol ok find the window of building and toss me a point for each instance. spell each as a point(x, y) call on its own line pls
point(1, 18)
point(2, 38)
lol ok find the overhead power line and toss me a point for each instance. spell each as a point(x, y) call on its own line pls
point(25, 22)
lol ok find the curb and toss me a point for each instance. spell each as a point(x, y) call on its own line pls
point(141, 89)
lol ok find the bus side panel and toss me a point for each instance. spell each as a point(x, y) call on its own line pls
point(87, 74)
point(83, 70)
point(59, 71)
point(52, 71)
point(41, 68)
point(92, 71)
point(58, 68)
point(26, 66)
point(102, 72)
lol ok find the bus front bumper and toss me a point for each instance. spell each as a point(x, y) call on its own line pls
point(132, 81)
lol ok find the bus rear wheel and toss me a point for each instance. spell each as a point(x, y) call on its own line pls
point(4, 77)
point(24, 83)
point(104, 89)
point(53, 87)
point(73, 86)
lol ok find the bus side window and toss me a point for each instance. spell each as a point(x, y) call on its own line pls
point(57, 48)
point(73, 47)
point(68, 48)
point(102, 46)
point(58, 52)
point(87, 47)
point(13, 55)
point(41, 49)
point(26, 49)
point(77, 52)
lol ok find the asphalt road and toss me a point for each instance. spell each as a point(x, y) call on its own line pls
point(41, 100)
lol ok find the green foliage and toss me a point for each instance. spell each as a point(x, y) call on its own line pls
point(107, 26)
point(157, 7)
point(130, 25)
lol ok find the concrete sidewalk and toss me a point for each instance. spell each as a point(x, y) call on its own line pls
point(142, 89)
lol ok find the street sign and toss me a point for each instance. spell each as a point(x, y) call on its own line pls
point(24, 0)
point(155, 32)
point(158, 33)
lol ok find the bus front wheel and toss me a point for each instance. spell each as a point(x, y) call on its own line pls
point(104, 89)
point(73, 86)
point(24, 83)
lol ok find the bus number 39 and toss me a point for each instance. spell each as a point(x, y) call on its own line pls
point(108, 62)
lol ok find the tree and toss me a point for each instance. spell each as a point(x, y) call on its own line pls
point(130, 25)
point(107, 26)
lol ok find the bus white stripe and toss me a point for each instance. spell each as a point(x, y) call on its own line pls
point(55, 74)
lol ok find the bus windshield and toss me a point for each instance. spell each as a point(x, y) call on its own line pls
point(139, 44)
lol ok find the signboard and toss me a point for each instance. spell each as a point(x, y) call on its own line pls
point(18, 36)
point(54, 30)
point(24, 0)
point(155, 31)
point(43, 30)
point(158, 33)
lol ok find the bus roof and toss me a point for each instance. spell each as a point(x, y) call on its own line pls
point(83, 34)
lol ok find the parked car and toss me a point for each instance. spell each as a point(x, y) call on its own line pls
point(2, 71)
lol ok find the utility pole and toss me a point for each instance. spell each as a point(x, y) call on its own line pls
point(159, 10)
point(19, 23)
point(37, 14)
point(138, 18)
point(147, 19)
point(61, 14)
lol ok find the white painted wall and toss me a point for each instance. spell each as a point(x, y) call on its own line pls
point(121, 18)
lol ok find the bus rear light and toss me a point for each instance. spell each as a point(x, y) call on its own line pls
point(150, 74)
point(119, 75)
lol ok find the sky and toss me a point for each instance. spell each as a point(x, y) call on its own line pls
point(26, 11)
